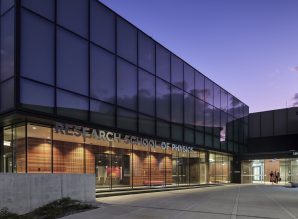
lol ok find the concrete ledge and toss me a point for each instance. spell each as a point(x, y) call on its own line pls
point(101, 194)
point(22, 193)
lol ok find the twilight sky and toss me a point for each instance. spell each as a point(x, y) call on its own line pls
point(249, 47)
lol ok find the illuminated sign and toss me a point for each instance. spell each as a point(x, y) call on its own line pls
point(85, 132)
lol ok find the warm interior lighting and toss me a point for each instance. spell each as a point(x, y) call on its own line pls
point(6, 143)
point(33, 127)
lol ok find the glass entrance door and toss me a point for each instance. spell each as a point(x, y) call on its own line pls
point(112, 170)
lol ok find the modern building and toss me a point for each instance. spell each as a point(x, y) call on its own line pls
point(272, 146)
point(85, 91)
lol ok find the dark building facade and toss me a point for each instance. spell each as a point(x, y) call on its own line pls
point(272, 146)
point(85, 91)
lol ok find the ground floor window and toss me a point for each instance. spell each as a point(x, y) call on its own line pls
point(35, 148)
point(266, 171)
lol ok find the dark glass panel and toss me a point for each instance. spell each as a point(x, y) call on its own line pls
point(230, 104)
point(177, 71)
point(103, 75)
point(7, 95)
point(126, 84)
point(177, 132)
point(45, 8)
point(230, 127)
point(189, 79)
point(73, 14)
point(199, 138)
point(6, 4)
point(177, 105)
point(208, 141)
point(237, 108)
point(146, 125)
point(37, 50)
point(127, 40)
point(267, 123)
point(223, 131)
point(208, 118)
point(72, 62)
point(146, 93)
point(163, 129)
point(209, 91)
point(216, 142)
point(200, 112)
point(199, 85)
point(163, 99)
point(189, 135)
point(216, 122)
point(71, 105)
point(217, 96)
point(126, 120)
point(7, 45)
point(224, 100)
point(230, 146)
point(189, 107)
point(102, 24)
point(146, 53)
point(163, 63)
point(36, 96)
point(102, 113)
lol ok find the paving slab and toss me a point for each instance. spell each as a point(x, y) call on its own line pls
point(223, 202)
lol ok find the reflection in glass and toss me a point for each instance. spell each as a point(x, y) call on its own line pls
point(199, 85)
point(189, 78)
point(102, 113)
point(146, 53)
point(163, 63)
point(163, 99)
point(71, 105)
point(177, 71)
point(177, 105)
point(146, 93)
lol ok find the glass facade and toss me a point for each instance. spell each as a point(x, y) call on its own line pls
point(120, 78)
point(90, 66)
point(36, 148)
point(258, 171)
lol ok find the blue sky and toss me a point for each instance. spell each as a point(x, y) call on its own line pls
point(249, 47)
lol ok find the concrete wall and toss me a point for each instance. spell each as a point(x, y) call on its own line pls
point(22, 193)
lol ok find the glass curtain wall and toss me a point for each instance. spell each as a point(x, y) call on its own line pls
point(109, 73)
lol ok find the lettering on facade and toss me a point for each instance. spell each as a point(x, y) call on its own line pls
point(85, 132)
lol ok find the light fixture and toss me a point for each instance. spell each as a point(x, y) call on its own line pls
point(6, 143)
point(33, 127)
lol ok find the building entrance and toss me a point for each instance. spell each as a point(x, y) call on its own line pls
point(112, 170)
point(258, 171)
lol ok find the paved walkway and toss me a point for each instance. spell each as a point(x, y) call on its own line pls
point(231, 201)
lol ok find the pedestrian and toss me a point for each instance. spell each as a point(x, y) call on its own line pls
point(277, 176)
point(271, 177)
